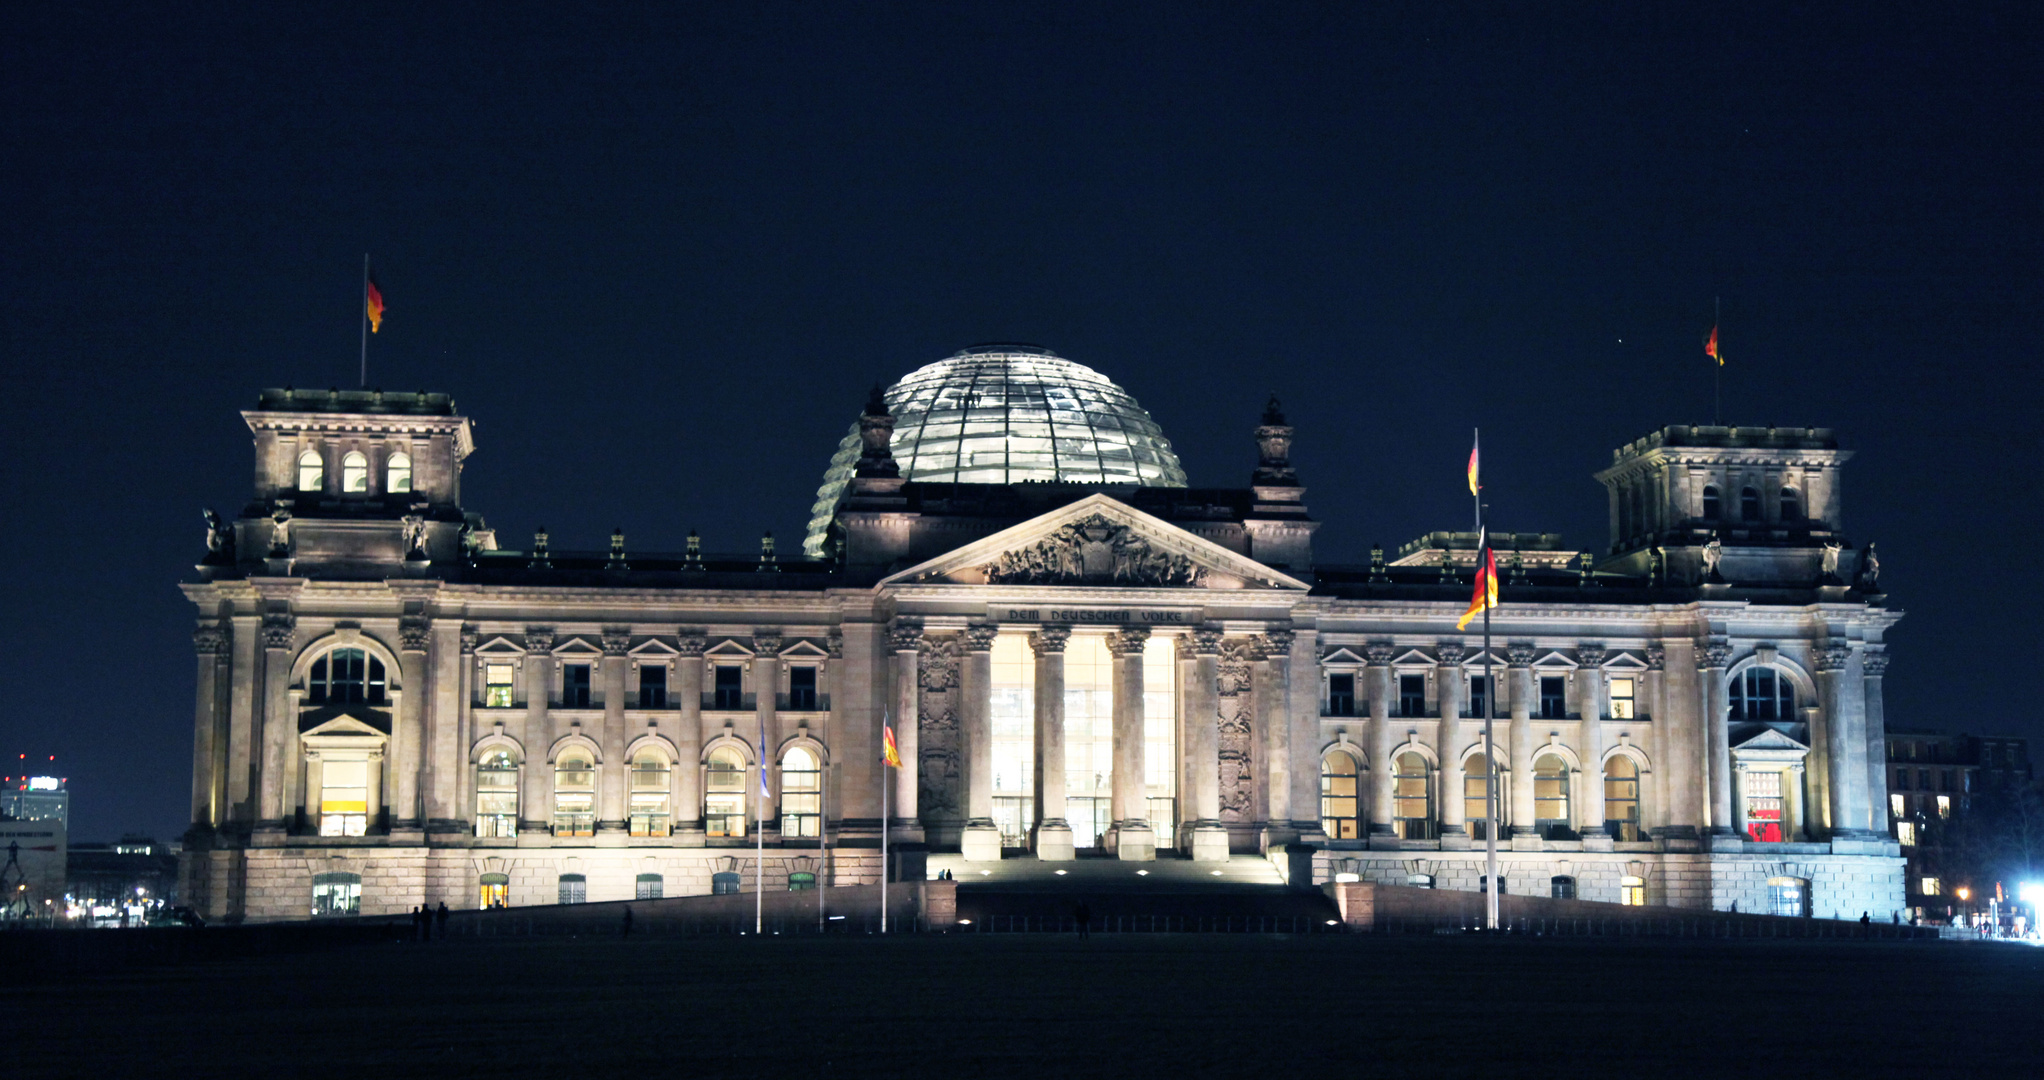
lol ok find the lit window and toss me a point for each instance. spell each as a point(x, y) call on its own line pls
point(1621, 799)
point(1788, 896)
point(801, 881)
point(1621, 699)
point(574, 889)
point(1013, 708)
point(801, 793)
point(1338, 819)
point(344, 798)
point(1476, 772)
point(574, 794)
point(1341, 694)
point(1944, 806)
point(649, 795)
point(648, 887)
point(1763, 806)
point(575, 686)
point(494, 891)
point(802, 688)
point(311, 471)
point(337, 893)
point(497, 795)
point(1632, 891)
point(398, 474)
point(1553, 697)
point(1412, 798)
point(1930, 886)
point(1898, 805)
point(1160, 747)
point(1412, 695)
point(1905, 831)
point(1760, 693)
point(354, 473)
point(346, 677)
point(497, 685)
point(724, 794)
point(653, 686)
point(1550, 796)
point(1561, 887)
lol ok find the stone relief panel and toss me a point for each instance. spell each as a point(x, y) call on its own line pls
point(939, 794)
point(1237, 724)
point(1093, 551)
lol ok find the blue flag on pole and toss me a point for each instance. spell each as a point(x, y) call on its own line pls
point(763, 793)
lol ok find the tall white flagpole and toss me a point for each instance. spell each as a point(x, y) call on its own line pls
point(886, 781)
point(1490, 709)
point(759, 861)
point(365, 320)
point(822, 834)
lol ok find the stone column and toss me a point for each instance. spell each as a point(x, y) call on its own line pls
point(244, 731)
point(1656, 788)
point(536, 777)
point(1519, 680)
point(279, 737)
point(463, 810)
point(906, 638)
point(414, 637)
point(766, 690)
point(1738, 818)
point(615, 773)
point(1302, 684)
point(1873, 665)
point(1450, 687)
point(209, 742)
point(1839, 693)
point(1717, 735)
point(1590, 701)
point(1053, 832)
point(687, 778)
point(1274, 706)
point(1382, 693)
point(1132, 838)
point(1203, 733)
point(1793, 797)
point(981, 840)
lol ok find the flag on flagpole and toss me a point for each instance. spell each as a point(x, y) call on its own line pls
point(763, 792)
point(892, 755)
point(1474, 481)
point(1710, 346)
point(374, 301)
point(1486, 583)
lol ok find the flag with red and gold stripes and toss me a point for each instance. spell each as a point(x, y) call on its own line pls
point(1486, 583)
point(1710, 346)
point(893, 755)
point(373, 303)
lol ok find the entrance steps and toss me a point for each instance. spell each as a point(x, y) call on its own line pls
point(1244, 892)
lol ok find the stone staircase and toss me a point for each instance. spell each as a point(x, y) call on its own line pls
point(1245, 892)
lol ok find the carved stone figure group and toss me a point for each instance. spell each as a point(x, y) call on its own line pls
point(1092, 550)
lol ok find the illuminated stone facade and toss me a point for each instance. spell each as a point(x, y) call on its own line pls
point(394, 709)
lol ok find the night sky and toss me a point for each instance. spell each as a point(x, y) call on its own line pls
point(660, 256)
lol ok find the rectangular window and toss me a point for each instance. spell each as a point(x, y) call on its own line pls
point(649, 887)
point(1930, 886)
point(1621, 699)
point(729, 693)
point(1014, 738)
point(1763, 806)
point(1160, 744)
point(1553, 697)
point(1901, 779)
point(1089, 737)
point(1905, 831)
point(1341, 694)
point(497, 680)
point(1944, 806)
point(575, 686)
point(1412, 695)
point(1632, 891)
point(344, 798)
point(574, 889)
point(1923, 780)
point(802, 689)
point(1479, 696)
point(653, 686)
point(1898, 805)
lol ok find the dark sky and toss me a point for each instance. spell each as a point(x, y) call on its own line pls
point(659, 256)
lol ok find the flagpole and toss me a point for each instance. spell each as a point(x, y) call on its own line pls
point(822, 837)
point(365, 320)
point(886, 781)
point(759, 861)
point(1490, 710)
point(1717, 376)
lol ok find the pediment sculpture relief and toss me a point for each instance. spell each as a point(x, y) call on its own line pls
point(1093, 551)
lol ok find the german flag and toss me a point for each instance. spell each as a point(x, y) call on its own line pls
point(1474, 472)
point(1710, 346)
point(1486, 584)
point(893, 755)
point(374, 301)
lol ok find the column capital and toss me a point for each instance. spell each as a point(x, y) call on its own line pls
point(1591, 654)
point(539, 639)
point(1875, 661)
point(209, 640)
point(471, 639)
point(617, 640)
point(1050, 638)
point(692, 641)
point(979, 637)
point(1206, 641)
point(1716, 654)
point(906, 635)
point(766, 644)
point(1379, 653)
point(1657, 657)
point(413, 634)
point(1520, 654)
point(1450, 653)
point(1277, 642)
point(279, 627)
point(1128, 641)
point(1832, 656)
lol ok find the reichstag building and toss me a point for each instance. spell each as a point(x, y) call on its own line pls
point(1081, 654)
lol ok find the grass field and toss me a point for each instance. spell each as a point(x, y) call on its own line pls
point(983, 1007)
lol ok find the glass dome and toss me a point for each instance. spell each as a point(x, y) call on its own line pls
point(1008, 414)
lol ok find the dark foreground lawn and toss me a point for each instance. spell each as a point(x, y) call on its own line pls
point(1039, 1006)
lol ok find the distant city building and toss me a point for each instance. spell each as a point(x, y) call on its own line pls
point(36, 798)
point(1933, 780)
point(1078, 654)
point(131, 869)
point(32, 858)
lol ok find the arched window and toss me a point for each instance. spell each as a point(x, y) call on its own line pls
point(724, 794)
point(1788, 896)
point(497, 794)
point(723, 883)
point(1561, 887)
point(1621, 798)
point(649, 795)
point(397, 474)
point(1791, 505)
point(801, 794)
point(801, 881)
point(1632, 891)
point(574, 889)
point(574, 794)
point(346, 677)
point(1412, 802)
point(1476, 772)
point(1338, 772)
point(336, 893)
point(1710, 502)
point(311, 471)
point(1749, 506)
point(648, 887)
point(1762, 693)
point(354, 473)
point(493, 891)
point(1550, 796)
point(344, 797)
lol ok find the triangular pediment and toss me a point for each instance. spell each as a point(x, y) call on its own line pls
point(1344, 655)
point(654, 649)
point(1625, 662)
point(1098, 541)
point(1556, 659)
point(342, 725)
point(805, 650)
point(728, 649)
point(1770, 739)
point(575, 646)
point(500, 646)
point(1413, 658)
